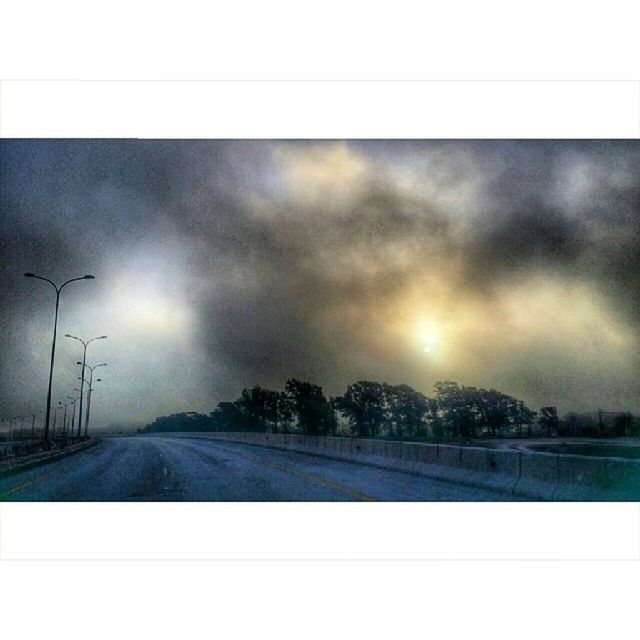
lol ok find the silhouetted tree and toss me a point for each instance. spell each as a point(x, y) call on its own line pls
point(284, 413)
point(405, 410)
point(498, 411)
point(549, 420)
point(188, 421)
point(622, 424)
point(457, 407)
point(227, 417)
point(259, 408)
point(333, 426)
point(520, 415)
point(312, 409)
point(373, 409)
point(364, 408)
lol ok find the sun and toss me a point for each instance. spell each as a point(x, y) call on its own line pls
point(429, 336)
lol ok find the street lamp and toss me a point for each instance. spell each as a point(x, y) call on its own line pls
point(21, 430)
point(83, 363)
point(91, 369)
point(86, 422)
point(33, 424)
point(73, 415)
point(11, 425)
point(53, 342)
point(64, 420)
point(55, 415)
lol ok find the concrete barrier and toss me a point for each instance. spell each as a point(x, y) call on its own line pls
point(474, 458)
point(392, 449)
point(428, 453)
point(449, 455)
point(538, 475)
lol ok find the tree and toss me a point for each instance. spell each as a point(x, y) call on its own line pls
point(406, 409)
point(492, 408)
point(520, 415)
point(314, 413)
point(549, 419)
point(228, 417)
point(434, 419)
point(178, 422)
point(623, 424)
point(333, 427)
point(458, 408)
point(363, 405)
point(259, 408)
point(284, 413)
point(498, 411)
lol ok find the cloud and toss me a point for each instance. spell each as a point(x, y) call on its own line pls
point(322, 259)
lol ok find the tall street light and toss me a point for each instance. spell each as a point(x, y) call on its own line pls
point(86, 422)
point(64, 420)
point(91, 369)
point(11, 425)
point(78, 391)
point(73, 414)
point(53, 342)
point(55, 416)
point(84, 360)
point(33, 424)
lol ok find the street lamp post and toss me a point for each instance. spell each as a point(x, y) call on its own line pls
point(78, 391)
point(86, 422)
point(33, 424)
point(53, 342)
point(55, 415)
point(85, 344)
point(64, 422)
point(73, 415)
point(91, 369)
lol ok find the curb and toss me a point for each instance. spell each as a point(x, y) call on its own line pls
point(31, 464)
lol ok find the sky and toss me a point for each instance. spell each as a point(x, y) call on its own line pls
point(223, 264)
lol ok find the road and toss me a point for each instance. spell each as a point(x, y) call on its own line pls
point(177, 469)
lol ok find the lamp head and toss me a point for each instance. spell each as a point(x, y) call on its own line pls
point(89, 277)
point(29, 275)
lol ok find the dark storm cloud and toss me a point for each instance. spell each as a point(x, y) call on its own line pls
point(527, 227)
point(267, 325)
point(284, 283)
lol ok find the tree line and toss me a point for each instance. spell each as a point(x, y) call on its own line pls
point(371, 409)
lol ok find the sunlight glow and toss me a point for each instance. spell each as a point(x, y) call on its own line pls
point(152, 312)
point(144, 298)
point(429, 336)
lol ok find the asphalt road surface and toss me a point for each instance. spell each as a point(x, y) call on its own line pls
point(175, 469)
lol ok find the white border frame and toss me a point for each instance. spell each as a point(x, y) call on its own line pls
point(319, 110)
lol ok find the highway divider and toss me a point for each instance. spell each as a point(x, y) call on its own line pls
point(528, 474)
